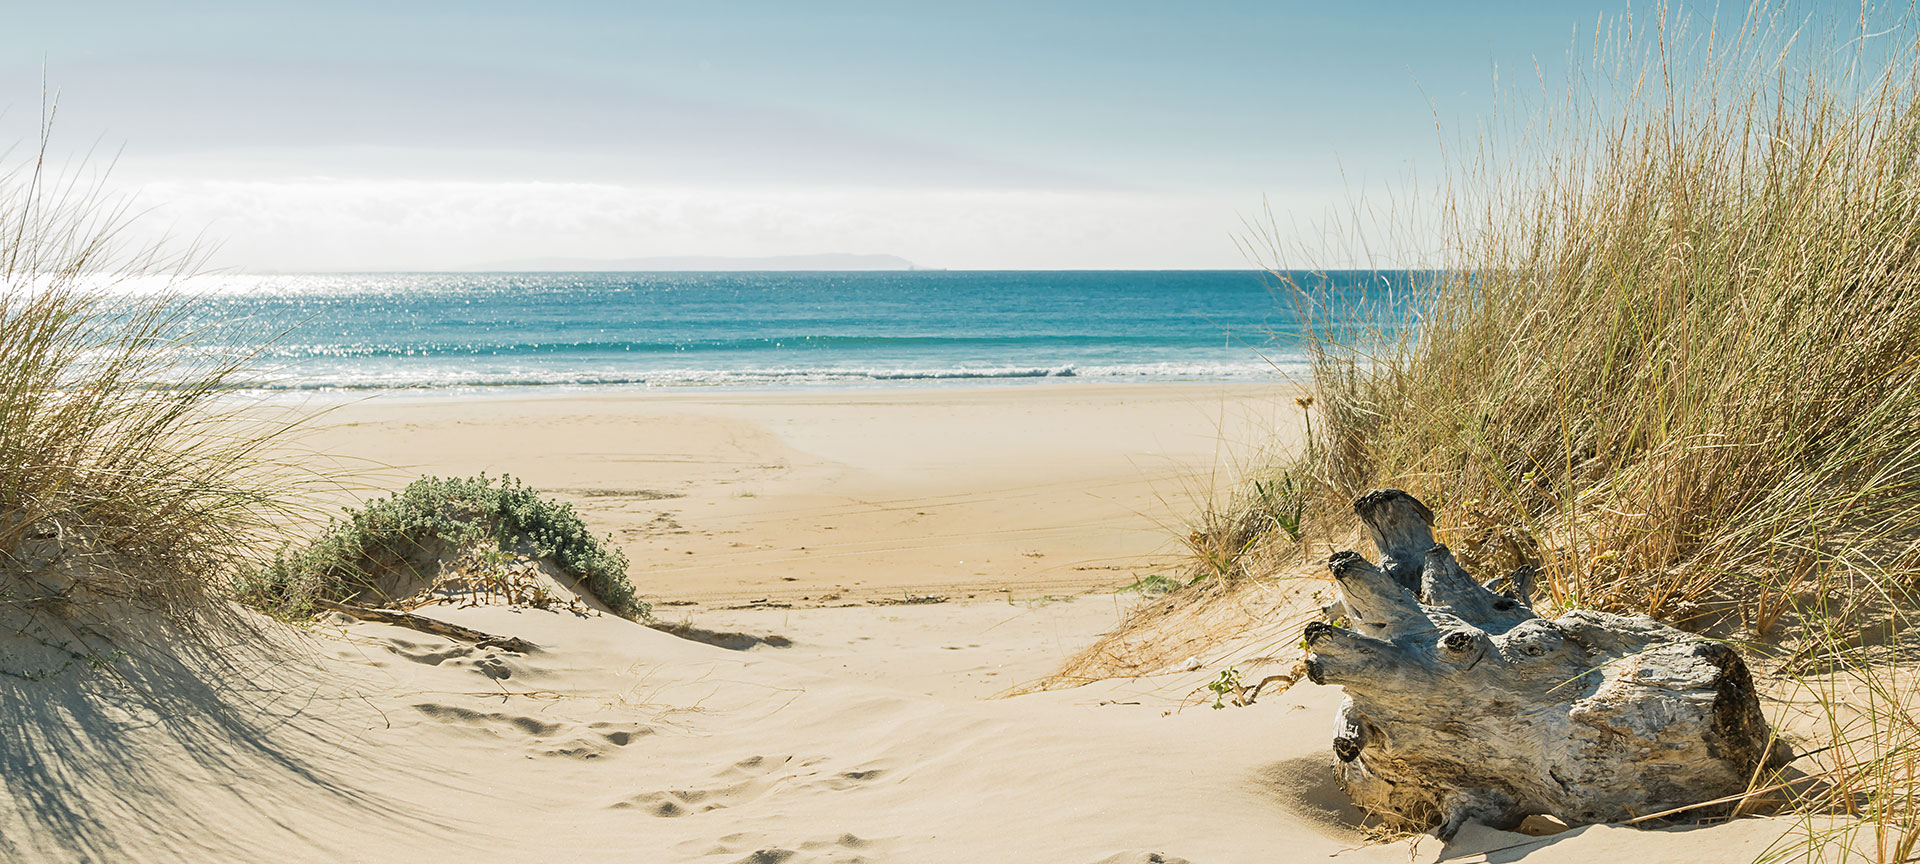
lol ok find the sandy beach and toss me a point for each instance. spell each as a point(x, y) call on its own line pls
point(815, 717)
point(956, 433)
point(723, 497)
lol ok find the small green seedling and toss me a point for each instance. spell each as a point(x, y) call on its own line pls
point(1284, 501)
point(1227, 684)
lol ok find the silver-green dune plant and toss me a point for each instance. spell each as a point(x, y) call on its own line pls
point(400, 539)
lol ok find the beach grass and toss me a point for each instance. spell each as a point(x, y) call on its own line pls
point(126, 472)
point(1666, 349)
point(1672, 354)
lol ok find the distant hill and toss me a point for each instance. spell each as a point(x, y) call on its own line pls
point(827, 261)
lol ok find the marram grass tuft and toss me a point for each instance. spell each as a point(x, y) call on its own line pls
point(1666, 349)
point(126, 472)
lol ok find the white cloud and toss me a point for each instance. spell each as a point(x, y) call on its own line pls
point(326, 223)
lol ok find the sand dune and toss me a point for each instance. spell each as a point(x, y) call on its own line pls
point(872, 735)
point(615, 742)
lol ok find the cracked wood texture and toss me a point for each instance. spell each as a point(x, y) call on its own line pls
point(1462, 703)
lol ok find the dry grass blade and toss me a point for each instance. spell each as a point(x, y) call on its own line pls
point(1667, 351)
point(127, 472)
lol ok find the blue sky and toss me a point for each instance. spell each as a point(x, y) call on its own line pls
point(350, 135)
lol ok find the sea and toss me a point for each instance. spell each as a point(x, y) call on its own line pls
point(467, 332)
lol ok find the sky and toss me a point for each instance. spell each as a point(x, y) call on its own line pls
point(983, 135)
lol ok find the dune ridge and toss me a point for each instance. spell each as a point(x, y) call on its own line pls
point(841, 730)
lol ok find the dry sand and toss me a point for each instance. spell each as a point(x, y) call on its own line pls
point(723, 497)
point(615, 742)
point(865, 739)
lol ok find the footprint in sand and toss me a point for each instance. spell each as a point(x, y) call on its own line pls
point(493, 668)
point(843, 849)
point(492, 722)
point(543, 738)
point(849, 779)
point(429, 655)
point(481, 660)
point(619, 734)
point(676, 802)
point(744, 781)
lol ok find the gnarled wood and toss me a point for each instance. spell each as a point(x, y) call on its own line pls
point(1463, 703)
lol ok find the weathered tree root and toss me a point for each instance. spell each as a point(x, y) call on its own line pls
point(1462, 703)
point(430, 625)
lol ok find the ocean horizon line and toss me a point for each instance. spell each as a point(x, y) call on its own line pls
point(458, 271)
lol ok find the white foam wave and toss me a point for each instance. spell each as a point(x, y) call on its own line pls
point(446, 378)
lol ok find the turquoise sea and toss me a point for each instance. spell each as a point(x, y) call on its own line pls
point(464, 331)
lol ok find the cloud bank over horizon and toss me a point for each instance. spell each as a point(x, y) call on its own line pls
point(356, 136)
point(384, 224)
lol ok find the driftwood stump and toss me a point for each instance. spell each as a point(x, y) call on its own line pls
point(1462, 703)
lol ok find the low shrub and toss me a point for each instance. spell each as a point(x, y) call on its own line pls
point(401, 539)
